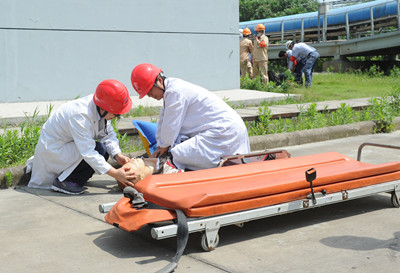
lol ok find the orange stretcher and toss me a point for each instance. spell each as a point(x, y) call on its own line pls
point(212, 198)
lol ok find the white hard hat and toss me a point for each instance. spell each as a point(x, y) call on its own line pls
point(240, 30)
point(288, 43)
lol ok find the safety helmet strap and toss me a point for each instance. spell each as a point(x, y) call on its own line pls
point(163, 80)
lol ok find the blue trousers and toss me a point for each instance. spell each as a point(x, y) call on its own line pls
point(308, 68)
point(83, 172)
point(298, 70)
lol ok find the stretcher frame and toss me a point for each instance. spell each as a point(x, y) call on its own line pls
point(211, 225)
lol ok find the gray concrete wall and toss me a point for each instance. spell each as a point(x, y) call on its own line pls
point(58, 50)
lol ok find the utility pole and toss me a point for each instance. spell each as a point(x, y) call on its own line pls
point(323, 10)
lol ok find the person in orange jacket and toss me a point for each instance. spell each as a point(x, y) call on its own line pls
point(260, 53)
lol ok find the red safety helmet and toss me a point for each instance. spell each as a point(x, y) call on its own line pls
point(112, 96)
point(143, 77)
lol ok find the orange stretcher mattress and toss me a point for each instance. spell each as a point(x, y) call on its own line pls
point(248, 186)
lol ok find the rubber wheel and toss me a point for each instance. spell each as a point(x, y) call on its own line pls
point(204, 243)
point(395, 201)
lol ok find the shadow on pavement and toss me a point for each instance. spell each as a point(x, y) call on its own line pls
point(362, 243)
point(122, 244)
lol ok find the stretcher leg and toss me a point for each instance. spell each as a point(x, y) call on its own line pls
point(396, 196)
point(210, 238)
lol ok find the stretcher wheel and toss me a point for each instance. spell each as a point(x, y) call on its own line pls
point(395, 200)
point(204, 243)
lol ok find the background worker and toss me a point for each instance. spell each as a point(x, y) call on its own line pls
point(78, 138)
point(298, 65)
point(310, 54)
point(260, 53)
point(246, 49)
point(212, 129)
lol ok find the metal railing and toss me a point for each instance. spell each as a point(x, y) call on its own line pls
point(348, 30)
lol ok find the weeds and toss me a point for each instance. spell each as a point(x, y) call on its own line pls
point(16, 146)
point(141, 111)
point(257, 84)
point(9, 178)
point(343, 115)
point(381, 110)
point(126, 143)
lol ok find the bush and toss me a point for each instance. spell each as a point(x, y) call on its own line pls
point(17, 146)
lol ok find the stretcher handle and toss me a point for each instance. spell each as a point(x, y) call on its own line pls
point(311, 174)
point(376, 145)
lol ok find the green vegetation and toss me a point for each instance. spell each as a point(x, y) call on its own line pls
point(329, 86)
point(261, 9)
point(9, 178)
point(334, 86)
point(16, 146)
point(382, 111)
point(142, 111)
point(127, 143)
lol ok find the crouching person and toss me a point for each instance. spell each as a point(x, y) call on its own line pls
point(77, 140)
point(195, 126)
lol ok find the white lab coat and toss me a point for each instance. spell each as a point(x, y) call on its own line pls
point(67, 137)
point(214, 129)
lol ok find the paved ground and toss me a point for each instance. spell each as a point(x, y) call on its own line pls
point(43, 231)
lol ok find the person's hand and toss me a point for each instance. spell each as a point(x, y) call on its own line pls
point(160, 151)
point(123, 175)
point(121, 159)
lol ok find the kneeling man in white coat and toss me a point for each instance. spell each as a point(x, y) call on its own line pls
point(77, 140)
point(195, 126)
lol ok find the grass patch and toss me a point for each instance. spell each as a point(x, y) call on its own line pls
point(340, 86)
point(142, 111)
point(332, 86)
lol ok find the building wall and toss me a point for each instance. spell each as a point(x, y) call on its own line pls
point(59, 50)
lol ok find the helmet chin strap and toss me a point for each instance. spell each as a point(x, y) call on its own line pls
point(102, 116)
point(163, 79)
point(99, 111)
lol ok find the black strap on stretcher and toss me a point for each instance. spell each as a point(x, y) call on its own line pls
point(311, 174)
point(182, 235)
point(181, 241)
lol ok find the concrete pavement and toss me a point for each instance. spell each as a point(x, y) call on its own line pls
point(43, 231)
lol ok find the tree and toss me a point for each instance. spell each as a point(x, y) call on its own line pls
point(262, 9)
